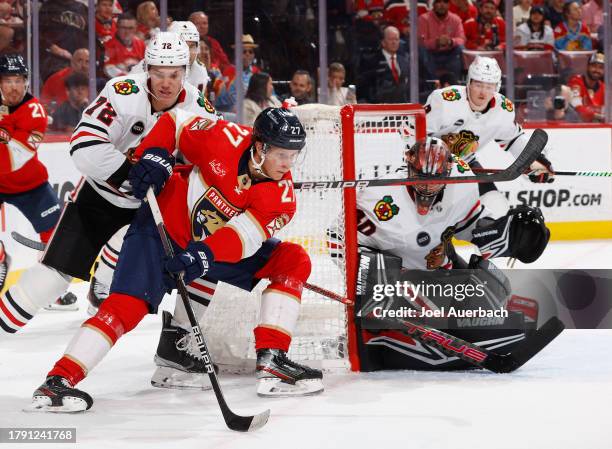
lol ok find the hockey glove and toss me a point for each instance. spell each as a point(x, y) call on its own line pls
point(541, 170)
point(521, 233)
point(5, 136)
point(153, 169)
point(193, 262)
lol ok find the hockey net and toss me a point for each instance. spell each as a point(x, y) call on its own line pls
point(343, 143)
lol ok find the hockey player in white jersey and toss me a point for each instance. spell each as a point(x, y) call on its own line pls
point(417, 223)
point(197, 75)
point(469, 117)
point(101, 145)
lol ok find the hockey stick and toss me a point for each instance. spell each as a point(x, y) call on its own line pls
point(233, 421)
point(25, 241)
point(328, 294)
point(532, 150)
point(469, 352)
point(601, 174)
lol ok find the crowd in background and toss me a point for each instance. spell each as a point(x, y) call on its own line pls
point(558, 58)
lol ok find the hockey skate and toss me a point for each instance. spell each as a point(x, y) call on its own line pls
point(66, 302)
point(97, 293)
point(277, 376)
point(57, 395)
point(5, 263)
point(178, 359)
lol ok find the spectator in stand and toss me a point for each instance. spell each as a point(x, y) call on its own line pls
point(217, 55)
point(69, 113)
point(148, 19)
point(125, 50)
point(63, 29)
point(301, 87)
point(54, 90)
point(9, 24)
point(248, 59)
point(554, 12)
point(487, 31)
point(219, 84)
point(384, 76)
point(520, 13)
point(106, 25)
point(441, 40)
point(592, 15)
point(572, 34)
point(588, 90)
point(465, 9)
point(558, 106)
point(259, 96)
point(534, 34)
point(339, 95)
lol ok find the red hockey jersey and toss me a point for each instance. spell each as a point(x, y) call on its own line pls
point(24, 127)
point(217, 201)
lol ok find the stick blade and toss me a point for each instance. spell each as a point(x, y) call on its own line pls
point(528, 348)
point(248, 423)
point(530, 153)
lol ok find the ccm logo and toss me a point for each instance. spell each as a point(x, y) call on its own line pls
point(159, 160)
point(447, 343)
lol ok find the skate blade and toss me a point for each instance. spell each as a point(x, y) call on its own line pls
point(274, 387)
point(42, 404)
point(62, 308)
point(167, 377)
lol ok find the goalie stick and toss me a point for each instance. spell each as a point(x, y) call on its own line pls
point(469, 352)
point(532, 150)
point(232, 420)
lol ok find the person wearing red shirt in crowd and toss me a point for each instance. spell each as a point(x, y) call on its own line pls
point(487, 31)
point(125, 49)
point(217, 54)
point(23, 178)
point(441, 40)
point(588, 91)
point(572, 34)
point(148, 20)
point(106, 25)
point(54, 90)
point(465, 9)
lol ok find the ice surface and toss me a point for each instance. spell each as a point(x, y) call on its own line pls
point(559, 400)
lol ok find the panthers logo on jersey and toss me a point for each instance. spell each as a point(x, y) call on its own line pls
point(506, 104)
point(210, 213)
point(126, 87)
point(385, 210)
point(451, 95)
point(463, 143)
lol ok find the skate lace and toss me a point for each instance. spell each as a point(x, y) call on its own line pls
point(188, 344)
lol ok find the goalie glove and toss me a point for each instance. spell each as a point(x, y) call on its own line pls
point(541, 171)
point(193, 262)
point(521, 233)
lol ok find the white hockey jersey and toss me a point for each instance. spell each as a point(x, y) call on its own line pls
point(387, 219)
point(113, 126)
point(197, 76)
point(450, 117)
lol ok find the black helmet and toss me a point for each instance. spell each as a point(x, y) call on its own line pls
point(13, 65)
point(281, 128)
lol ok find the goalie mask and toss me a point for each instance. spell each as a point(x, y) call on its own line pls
point(428, 160)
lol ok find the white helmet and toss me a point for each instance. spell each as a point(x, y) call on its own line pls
point(486, 70)
point(186, 30)
point(167, 49)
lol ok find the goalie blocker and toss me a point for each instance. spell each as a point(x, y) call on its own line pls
point(497, 323)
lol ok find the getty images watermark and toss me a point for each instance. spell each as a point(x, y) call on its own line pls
point(38, 435)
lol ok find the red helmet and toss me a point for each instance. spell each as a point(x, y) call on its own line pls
point(429, 159)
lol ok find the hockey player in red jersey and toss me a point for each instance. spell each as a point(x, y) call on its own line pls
point(221, 214)
point(23, 178)
point(101, 148)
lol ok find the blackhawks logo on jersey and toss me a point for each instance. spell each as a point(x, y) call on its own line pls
point(451, 95)
point(126, 87)
point(463, 143)
point(203, 102)
point(462, 166)
point(385, 210)
point(507, 104)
